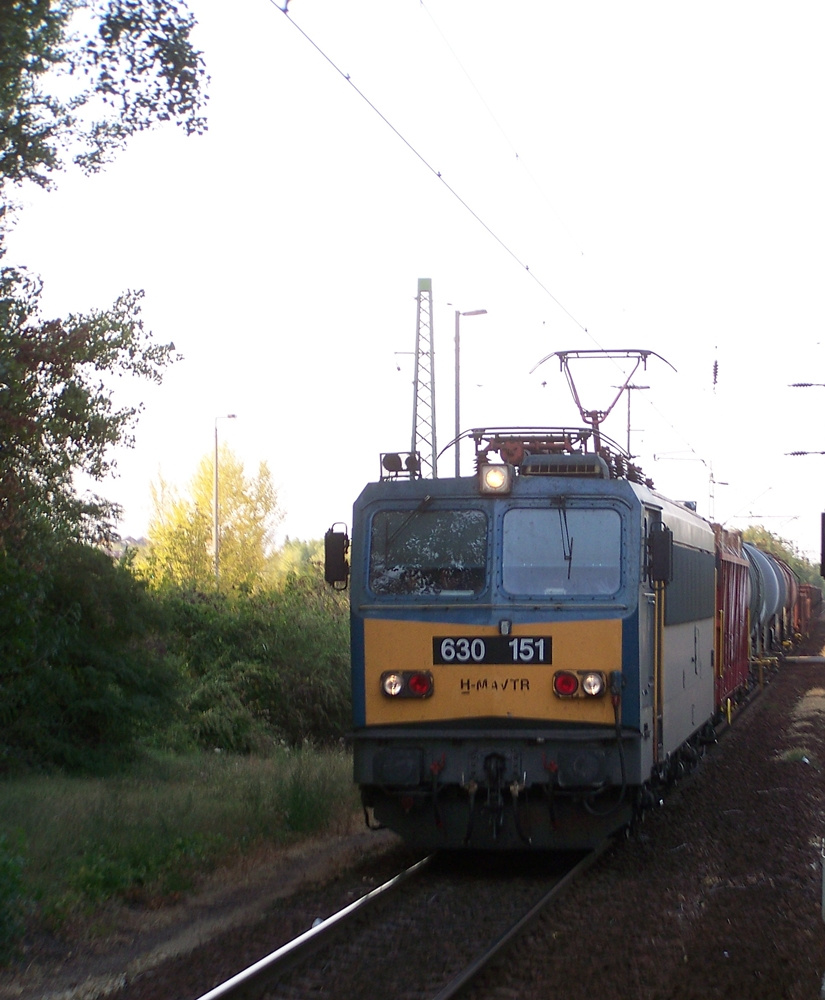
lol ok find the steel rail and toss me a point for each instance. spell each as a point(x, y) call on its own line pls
point(301, 946)
point(454, 987)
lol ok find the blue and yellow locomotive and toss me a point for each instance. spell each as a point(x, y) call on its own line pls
point(533, 647)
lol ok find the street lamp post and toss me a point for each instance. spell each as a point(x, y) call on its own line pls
point(215, 509)
point(458, 315)
point(628, 387)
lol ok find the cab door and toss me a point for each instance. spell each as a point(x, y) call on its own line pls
point(657, 570)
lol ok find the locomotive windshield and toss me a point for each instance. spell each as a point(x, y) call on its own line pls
point(562, 551)
point(428, 552)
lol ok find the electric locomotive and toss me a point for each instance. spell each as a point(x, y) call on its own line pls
point(532, 646)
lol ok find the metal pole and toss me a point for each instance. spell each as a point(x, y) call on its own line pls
point(458, 315)
point(215, 506)
point(216, 524)
point(457, 391)
point(628, 422)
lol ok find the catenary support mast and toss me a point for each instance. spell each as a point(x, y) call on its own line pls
point(423, 424)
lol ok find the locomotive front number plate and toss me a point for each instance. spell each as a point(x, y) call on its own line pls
point(492, 649)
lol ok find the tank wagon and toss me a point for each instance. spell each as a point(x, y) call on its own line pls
point(537, 648)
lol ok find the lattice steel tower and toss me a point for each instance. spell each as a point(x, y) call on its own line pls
point(423, 425)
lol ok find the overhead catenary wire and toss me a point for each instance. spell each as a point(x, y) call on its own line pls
point(500, 128)
point(437, 173)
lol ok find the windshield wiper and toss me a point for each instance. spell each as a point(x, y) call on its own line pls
point(566, 541)
point(425, 500)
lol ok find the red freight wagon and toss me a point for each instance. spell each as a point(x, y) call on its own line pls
point(732, 600)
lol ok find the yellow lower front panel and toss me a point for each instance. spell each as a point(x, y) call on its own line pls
point(520, 687)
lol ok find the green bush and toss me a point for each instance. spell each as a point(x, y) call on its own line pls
point(264, 668)
point(82, 671)
point(221, 719)
point(93, 665)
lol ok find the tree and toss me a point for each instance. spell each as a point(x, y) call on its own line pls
point(57, 417)
point(297, 558)
point(78, 78)
point(181, 535)
point(766, 540)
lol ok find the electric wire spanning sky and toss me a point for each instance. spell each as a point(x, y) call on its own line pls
point(643, 177)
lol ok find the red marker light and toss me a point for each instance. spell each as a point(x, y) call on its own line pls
point(565, 685)
point(420, 685)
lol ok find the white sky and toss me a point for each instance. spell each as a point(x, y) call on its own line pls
point(658, 167)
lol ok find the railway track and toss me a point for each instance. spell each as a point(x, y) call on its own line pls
point(254, 979)
point(426, 934)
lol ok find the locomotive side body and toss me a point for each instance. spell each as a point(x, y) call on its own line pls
point(519, 676)
point(687, 606)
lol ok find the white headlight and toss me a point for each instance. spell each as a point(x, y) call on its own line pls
point(392, 684)
point(496, 478)
point(593, 684)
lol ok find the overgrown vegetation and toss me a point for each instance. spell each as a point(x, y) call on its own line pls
point(93, 665)
point(82, 670)
point(268, 667)
point(69, 843)
point(148, 735)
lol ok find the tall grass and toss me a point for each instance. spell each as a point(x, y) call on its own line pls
point(153, 831)
point(11, 897)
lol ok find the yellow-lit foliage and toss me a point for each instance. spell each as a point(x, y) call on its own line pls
point(181, 550)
